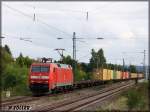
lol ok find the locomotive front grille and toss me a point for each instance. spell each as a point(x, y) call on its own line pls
point(37, 87)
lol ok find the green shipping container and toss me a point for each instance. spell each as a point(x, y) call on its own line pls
point(114, 74)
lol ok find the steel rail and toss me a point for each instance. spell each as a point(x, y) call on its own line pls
point(18, 100)
point(99, 99)
point(55, 106)
point(28, 99)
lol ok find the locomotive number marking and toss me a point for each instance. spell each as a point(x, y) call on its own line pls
point(19, 108)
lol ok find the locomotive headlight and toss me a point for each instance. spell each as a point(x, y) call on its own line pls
point(34, 77)
point(39, 77)
point(44, 77)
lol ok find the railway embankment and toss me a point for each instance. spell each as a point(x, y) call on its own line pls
point(134, 99)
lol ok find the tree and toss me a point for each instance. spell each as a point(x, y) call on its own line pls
point(79, 75)
point(6, 58)
point(92, 63)
point(13, 73)
point(97, 60)
point(110, 66)
point(67, 60)
point(7, 49)
point(132, 69)
point(27, 61)
point(9, 81)
point(84, 67)
point(101, 58)
point(20, 60)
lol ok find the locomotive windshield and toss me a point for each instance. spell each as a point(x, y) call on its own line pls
point(40, 69)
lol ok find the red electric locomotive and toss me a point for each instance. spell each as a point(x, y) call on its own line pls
point(44, 77)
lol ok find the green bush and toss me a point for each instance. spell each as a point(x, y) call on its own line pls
point(14, 79)
point(137, 97)
point(14, 73)
point(81, 75)
point(133, 99)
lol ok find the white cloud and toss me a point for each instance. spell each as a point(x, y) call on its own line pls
point(128, 35)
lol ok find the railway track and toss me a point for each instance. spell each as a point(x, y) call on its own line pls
point(85, 101)
point(18, 100)
point(5, 104)
point(90, 101)
point(30, 98)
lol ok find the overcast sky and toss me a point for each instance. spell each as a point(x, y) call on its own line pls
point(123, 25)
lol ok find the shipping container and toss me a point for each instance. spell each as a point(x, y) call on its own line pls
point(140, 75)
point(111, 75)
point(118, 74)
point(108, 74)
point(133, 75)
point(114, 74)
point(123, 75)
point(127, 75)
point(104, 76)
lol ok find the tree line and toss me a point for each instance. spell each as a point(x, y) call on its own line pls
point(14, 72)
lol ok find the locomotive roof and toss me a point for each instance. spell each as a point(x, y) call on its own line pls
point(58, 64)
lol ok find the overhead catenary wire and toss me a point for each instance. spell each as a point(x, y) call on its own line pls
point(39, 20)
point(132, 58)
point(63, 10)
point(26, 39)
point(33, 42)
point(86, 12)
point(43, 23)
point(109, 37)
point(18, 37)
point(71, 38)
point(87, 55)
point(52, 27)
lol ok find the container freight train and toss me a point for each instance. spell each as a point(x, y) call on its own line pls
point(45, 77)
point(107, 74)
